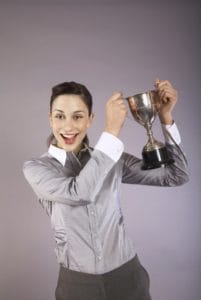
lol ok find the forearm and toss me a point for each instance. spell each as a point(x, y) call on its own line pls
point(166, 119)
point(171, 175)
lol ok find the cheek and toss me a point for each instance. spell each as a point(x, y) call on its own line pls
point(83, 125)
point(88, 123)
point(56, 126)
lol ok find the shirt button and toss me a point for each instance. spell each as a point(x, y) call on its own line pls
point(99, 257)
point(93, 213)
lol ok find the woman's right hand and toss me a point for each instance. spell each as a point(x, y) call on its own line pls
point(116, 112)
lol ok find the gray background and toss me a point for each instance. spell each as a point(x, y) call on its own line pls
point(107, 45)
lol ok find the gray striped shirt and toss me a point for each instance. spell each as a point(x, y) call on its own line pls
point(82, 194)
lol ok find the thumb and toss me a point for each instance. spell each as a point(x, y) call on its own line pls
point(157, 81)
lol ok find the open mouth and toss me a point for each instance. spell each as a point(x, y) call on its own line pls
point(69, 139)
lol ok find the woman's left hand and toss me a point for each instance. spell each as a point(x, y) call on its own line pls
point(168, 98)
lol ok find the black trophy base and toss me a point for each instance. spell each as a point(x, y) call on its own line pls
point(156, 158)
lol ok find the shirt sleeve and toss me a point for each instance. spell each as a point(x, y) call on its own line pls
point(171, 131)
point(110, 145)
point(52, 183)
point(174, 174)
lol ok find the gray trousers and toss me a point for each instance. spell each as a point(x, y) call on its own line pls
point(128, 282)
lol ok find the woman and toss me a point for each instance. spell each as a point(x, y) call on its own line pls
point(80, 189)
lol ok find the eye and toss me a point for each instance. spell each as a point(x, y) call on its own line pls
point(60, 116)
point(77, 117)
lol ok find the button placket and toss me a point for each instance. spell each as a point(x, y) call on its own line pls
point(94, 232)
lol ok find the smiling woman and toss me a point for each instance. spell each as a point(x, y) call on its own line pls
point(70, 107)
point(69, 120)
point(80, 188)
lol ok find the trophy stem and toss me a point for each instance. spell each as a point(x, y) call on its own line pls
point(149, 133)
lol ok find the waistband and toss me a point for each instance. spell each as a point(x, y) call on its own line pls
point(68, 275)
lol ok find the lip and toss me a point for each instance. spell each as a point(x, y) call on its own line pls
point(69, 139)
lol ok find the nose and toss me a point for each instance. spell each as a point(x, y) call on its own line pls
point(68, 124)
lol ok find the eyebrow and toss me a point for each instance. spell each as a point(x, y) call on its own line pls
point(58, 110)
point(61, 111)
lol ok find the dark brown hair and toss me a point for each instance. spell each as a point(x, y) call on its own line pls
point(71, 88)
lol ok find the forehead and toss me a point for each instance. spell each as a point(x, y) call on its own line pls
point(69, 103)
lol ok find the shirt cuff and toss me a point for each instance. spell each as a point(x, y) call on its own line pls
point(110, 145)
point(173, 131)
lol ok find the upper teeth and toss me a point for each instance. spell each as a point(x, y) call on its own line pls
point(68, 135)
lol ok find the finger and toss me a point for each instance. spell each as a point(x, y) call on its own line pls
point(117, 95)
point(164, 83)
point(121, 103)
point(167, 89)
point(157, 81)
point(167, 96)
point(165, 93)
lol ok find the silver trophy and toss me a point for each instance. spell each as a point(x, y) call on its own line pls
point(144, 108)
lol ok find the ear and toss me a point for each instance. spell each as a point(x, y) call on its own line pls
point(91, 117)
point(50, 119)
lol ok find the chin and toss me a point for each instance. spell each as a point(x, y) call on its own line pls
point(71, 148)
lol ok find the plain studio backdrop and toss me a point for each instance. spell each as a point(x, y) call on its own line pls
point(108, 46)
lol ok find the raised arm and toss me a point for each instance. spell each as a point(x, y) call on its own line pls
point(173, 174)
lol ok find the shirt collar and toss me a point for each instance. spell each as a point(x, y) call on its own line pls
point(58, 153)
point(61, 154)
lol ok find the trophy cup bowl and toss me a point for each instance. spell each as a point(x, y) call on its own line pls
point(144, 108)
